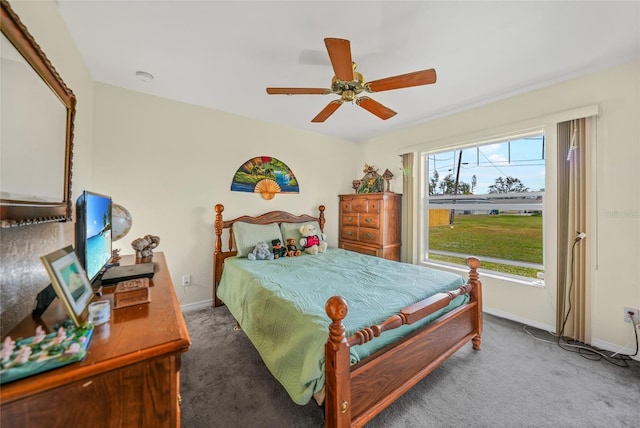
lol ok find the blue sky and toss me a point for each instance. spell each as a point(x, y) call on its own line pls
point(523, 158)
point(97, 206)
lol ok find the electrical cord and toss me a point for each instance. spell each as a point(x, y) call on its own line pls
point(585, 350)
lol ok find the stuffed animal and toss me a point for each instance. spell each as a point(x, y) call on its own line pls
point(311, 241)
point(261, 252)
point(292, 250)
point(278, 249)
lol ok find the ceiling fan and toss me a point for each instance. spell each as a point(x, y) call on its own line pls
point(348, 83)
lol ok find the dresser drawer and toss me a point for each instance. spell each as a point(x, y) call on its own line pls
point(369, 220)
point(345, 206)
point(350, 219)
point(359, 205)
point(373, 206)
point(350, 233)
point(360, 249)
point(369, 235)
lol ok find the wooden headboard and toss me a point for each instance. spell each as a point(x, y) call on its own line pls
point(220, 254)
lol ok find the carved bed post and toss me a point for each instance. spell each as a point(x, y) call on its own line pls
point(218, 225)
point(476, 293)
point(337, 402)
point(321, 218)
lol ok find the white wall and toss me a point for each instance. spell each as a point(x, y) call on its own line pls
point(169, 163)
point(616, 210)
point(44, 22)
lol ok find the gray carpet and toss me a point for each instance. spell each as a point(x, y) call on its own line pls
point(515, 381)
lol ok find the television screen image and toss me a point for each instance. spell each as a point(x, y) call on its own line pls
point(93, 232)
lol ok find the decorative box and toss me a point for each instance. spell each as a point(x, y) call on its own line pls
point(131, 292)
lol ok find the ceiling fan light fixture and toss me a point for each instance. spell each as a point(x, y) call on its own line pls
point(348, 95)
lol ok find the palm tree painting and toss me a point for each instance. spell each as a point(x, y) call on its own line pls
point(265, 175)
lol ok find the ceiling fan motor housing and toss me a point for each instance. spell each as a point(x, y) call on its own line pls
point(348, 90)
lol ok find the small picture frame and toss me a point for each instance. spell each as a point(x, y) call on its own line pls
point(70, 282)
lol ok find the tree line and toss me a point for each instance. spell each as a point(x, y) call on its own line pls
point(447, 186)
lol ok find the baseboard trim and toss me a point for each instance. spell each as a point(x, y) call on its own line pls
point(203, 304)
point(607, 346)
point(612, 347)
point(522, 320)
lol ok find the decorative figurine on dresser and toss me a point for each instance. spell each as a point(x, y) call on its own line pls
point(144, 246)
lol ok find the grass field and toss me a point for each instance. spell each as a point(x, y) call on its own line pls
point(512, 237)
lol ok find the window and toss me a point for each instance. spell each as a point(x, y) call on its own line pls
point(486, 200)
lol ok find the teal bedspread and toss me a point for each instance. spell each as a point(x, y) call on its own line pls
point(280, 305)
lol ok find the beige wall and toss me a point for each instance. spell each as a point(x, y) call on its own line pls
point(169, 163)
point(615, 240)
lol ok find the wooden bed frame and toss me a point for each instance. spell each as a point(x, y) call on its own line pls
point(355, 394)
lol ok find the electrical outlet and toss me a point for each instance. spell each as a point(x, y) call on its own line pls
point(628, 313)
point(186, 280)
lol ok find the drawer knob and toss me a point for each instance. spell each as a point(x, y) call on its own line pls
point(367, 235)
point(368, 220)
point(350, 218)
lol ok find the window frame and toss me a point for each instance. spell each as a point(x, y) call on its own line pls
point(423, 206)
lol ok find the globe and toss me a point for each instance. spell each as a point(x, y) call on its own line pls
point(121, 222)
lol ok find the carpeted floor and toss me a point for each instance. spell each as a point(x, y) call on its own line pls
point(515, 381)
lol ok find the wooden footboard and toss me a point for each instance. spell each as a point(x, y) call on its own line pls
point(355, 394)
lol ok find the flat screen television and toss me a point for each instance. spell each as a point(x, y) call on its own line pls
point(93, 232)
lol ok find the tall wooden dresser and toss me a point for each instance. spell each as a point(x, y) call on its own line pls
point(129, 378)
point(370, 224)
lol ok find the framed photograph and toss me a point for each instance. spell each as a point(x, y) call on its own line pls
point(70, 282)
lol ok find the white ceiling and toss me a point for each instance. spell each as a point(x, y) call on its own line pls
point(223, 54)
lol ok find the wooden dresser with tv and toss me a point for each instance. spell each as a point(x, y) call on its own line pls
point(129, 378)
point(370, 224)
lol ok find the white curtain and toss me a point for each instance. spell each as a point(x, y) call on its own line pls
point(409, 196)
point(573, 318)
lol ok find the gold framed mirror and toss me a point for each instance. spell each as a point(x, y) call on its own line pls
point(36, 137)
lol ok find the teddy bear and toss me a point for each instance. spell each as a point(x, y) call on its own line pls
point(261, 252)
point(292, 250)
point(278, 249)
point(311, 241)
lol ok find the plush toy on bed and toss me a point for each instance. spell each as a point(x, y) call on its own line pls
point(311, 241)
point(278, 249)
point(261, 252)
point(292, 250)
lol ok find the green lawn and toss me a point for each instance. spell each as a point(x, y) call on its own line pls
point(501, 236)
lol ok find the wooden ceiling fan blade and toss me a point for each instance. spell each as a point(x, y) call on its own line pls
point(340, 55)
point(298, 91)
point(327, 111)
point(375, 107)
point(417, 78)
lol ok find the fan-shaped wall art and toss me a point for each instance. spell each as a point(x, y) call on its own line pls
point(265, 175)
